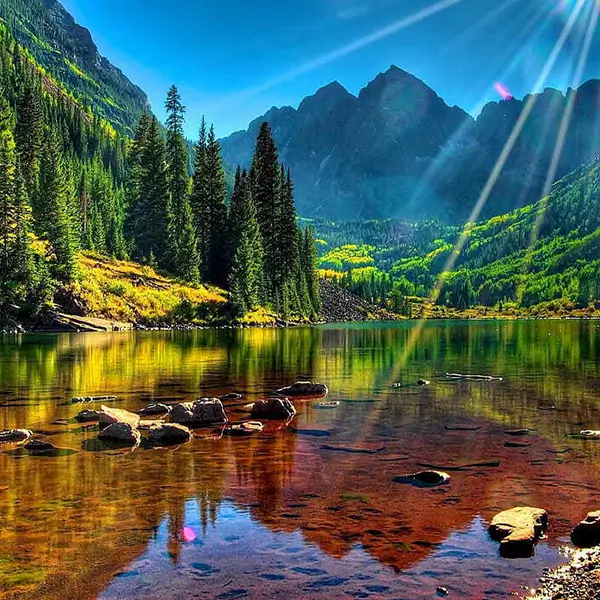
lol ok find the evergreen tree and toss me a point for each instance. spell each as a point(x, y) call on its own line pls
point(246, 277)
point(53, 219)
point(150, 211)
point(208, 201)
point(30, 136)
point(266, 189)
point(177, 175)
point(310, 269)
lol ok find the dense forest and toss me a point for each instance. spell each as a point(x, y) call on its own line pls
point(69, 182)
point(543, 256)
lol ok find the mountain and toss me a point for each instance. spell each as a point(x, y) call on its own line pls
point(69, 55)
point(398, 150)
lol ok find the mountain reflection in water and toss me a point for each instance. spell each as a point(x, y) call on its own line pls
point(279, 514)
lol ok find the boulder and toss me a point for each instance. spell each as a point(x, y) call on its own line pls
point(110, 416)
point(425, 479)
point(39, 447)
point(304, 388)
point(278, 409)
point(121, 433)
point(14, 436)
point(169, 433)
point(243, 429)
point(203, 412)
point(587, 533)
point(87, 416)
point(155, 409)
point(518, 530)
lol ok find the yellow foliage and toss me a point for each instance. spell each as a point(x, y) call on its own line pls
point(129, 292)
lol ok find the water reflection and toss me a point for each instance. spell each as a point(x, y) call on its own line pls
point(280, 513)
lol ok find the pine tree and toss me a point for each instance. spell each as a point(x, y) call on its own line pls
point(266, 183)
point(208, 201)
point(53, 216)
point(30, 136)
point(310, 269)
point(177, 175)
point(150, 211)
point(246, 277)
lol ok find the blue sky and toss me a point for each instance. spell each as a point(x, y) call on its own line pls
point(234, 59)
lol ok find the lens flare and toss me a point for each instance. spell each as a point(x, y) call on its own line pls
point(502, 91)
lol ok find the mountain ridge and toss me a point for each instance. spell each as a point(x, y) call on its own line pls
point(397, 149)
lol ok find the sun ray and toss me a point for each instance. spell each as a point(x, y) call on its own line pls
point(560, 141)
point(492, 180)
point(350, 48)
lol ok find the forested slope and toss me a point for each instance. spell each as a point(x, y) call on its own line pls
point(68, 54)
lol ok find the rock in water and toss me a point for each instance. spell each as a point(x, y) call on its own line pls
point(87, 416)
point(231, 396)
point(304, 388)
point(423, 382)
point(110, 416)
point(203, 412)
point(587, 533)
point(518, 530)
point(243, 429)
point(169, 433)
point(14, 436)
point(39, 447)
point(278, 409)
point(122, 433)
point(155, 409)
point(425, 479)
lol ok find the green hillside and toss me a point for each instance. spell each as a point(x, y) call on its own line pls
point(69, 55)
point(547, 252)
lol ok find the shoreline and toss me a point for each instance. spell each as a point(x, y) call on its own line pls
point(97, 325)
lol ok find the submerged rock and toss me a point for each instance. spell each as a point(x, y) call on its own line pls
point(87, 416)
point(231, 396)
point(277, 409)
point(155, 409)
point(304, 388)
point(518, 530)
point(328, 405)
point(122, 433)
point(169, 433)
point(203, 412)
point(587, 533)
point(243, 429)
point(517, 432)
point(110, 416)
point(425, 479)
point(39, 447)
point(15, 436)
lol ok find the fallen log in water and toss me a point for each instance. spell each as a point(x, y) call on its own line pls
point(473, 377)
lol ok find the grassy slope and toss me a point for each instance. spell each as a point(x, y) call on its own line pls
point(128, 292)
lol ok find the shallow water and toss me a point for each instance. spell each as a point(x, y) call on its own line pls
point(291, 514)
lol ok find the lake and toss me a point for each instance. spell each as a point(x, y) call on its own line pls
point(297, 512)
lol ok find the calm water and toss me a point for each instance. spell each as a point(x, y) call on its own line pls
point(279, 515)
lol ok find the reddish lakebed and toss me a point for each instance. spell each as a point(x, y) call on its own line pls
point(310, 509)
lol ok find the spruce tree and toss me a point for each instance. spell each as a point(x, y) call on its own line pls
point(30, 136)
point(208, 201)
point(177, 175)
point(150, 211)
point(310, 269)
point(266, 189)
point(246, 277)
point(53, 217)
